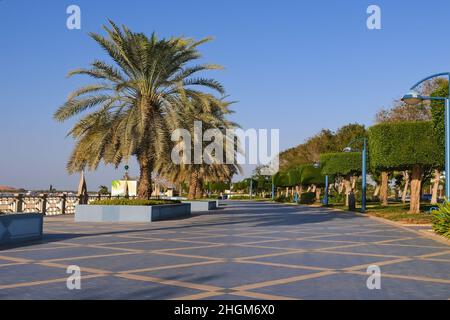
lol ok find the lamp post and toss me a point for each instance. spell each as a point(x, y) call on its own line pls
point(364, 171)
point(273, 188)
point(325, 197)
point(251, 188)
point(414, 98)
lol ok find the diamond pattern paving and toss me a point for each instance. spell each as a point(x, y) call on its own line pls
point(245, 250)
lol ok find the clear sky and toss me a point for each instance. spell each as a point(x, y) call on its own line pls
point(299, 66)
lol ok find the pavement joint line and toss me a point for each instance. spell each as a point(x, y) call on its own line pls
point(14, 259)
point(65, 266)
point(399, 276)
point(269, 255)
point(199, 296)
point(90, 257)
point(173, 266)
point(177, 283)
point(434, 254)
point(368, 254)
point(171, 254)
point(192, 248)
point(43, 282)
point(379, 263)
point(260, 296)
point(282, 281)
point(290, 266)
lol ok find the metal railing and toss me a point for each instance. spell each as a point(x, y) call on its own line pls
point(48, 204)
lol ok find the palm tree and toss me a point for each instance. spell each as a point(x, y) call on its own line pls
point(211, 112)
point(134, 97)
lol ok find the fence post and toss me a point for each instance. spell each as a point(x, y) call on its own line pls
point(19, 206)
point(63, 206)
point(44, 204)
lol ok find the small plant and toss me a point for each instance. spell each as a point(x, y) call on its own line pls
point(308, 198)
point(132, 202)
point(441, 220)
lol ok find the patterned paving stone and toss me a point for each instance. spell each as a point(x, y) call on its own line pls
point(133, 261)
point(206, 257)
point(420, 268)
point(25, 273)
point(227, 275)
point(102, 288)
point(61, 253)
point(322, 260)
point(390, 249)
point(354, 287)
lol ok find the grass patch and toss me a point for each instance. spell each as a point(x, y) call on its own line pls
point(396, 212)
point(132, 202)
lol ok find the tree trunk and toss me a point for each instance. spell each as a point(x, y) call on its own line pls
point(384, 188)
point(405, 189)
point(416, 187)
point(437, 177)
point(318, 193)
point(199, 189)
point(377, 191)
point(193, 181)
point(145, 177)
point(348, 189)
point(353, 182)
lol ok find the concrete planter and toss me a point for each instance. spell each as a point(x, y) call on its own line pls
point(91, 213)
point(20, 227)
point(201, 206)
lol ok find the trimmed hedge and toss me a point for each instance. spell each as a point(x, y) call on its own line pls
point(311, 175)
point(308, 198)
point(341, 163)
point(399, 146)
point(132, 202)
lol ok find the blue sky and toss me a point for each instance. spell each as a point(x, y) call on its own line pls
point(299, 66)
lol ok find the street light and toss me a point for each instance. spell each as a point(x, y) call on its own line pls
point(414, 98)
point(364, 170)
point(325, 197)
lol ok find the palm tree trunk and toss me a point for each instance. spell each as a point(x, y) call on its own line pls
point(384, 188)
point(145, 177)
point(193, 185)
point(437, 177)
point(416, 187)
point(199, 189)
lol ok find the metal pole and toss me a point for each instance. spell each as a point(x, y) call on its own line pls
point(364, 176)
point(325, 202)
point(447, 148)
point(273, 189)
point(251, 188)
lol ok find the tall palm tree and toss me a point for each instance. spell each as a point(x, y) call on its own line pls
point(137, 92)
point(211, 112)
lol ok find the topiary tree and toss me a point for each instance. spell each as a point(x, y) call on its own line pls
point(342, 164)
point(312, 176)
point(405, 146)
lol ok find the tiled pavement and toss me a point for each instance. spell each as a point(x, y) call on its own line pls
point(243, 251)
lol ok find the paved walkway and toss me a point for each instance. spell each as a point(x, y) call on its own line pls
point(244, 251)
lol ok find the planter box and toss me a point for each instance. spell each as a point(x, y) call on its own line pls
point(201, 206)
point(90, 213)
point(20, 227)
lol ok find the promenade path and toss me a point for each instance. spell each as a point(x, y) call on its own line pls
point(246, 250)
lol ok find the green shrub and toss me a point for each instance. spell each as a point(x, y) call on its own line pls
point(132, 202)
point(441, 220)
point(336, 198)
point(308, 198)
point(341, 163)
point(400, 145)
point(283, 199)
